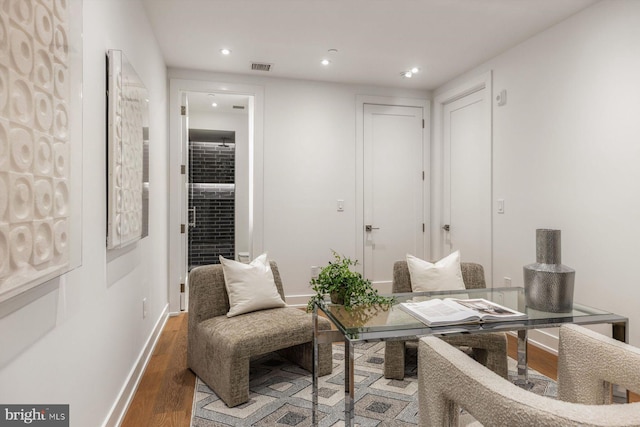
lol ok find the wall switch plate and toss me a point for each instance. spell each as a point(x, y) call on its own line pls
point(340, 205)
point(315, 270)
point(500, 206)
point(507, 281)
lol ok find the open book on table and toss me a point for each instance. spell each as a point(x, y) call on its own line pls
point(450, 311)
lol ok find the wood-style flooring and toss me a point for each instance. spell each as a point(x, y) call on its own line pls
point(164, 395)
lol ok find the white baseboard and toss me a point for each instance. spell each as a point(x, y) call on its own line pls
point(119, 408)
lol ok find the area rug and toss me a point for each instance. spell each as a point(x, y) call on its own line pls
point(280, 393)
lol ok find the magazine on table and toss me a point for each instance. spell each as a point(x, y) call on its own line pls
point(450, 311)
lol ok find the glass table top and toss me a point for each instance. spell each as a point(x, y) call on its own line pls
point(376, 323)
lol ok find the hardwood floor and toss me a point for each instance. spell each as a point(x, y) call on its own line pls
point(542, 361)
point(164, 396)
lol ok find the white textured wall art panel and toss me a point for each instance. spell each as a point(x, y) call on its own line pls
point(35, 171)
point(128, 115)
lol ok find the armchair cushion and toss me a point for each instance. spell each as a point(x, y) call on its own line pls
point(251, 287)
point(445, 274)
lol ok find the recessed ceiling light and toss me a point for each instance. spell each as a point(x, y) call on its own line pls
point(406, 74)
point(214, 104)
point(415, 70)
point(325, 62)
point(332, 51)
point(225, 51)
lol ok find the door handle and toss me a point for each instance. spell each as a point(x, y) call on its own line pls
point(446, 227)
point(370, 228)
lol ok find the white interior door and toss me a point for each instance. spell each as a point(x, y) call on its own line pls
point(467, 178)
point(393, 188)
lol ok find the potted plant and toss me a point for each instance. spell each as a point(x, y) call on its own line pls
point(344, 286)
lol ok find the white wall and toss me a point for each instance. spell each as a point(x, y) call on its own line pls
point(566, 150)
point(77, 339)
point(239, 123)
point(309, 163)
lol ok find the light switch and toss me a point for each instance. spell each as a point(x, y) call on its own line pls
point(500, 206)
point(340, 205)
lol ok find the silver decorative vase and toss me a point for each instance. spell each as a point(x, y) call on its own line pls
point(548, 285)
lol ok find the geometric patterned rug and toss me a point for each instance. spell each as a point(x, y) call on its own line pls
point(280, 393)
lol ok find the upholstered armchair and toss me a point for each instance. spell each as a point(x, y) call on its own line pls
point(588, 363)
point(489, 349)
point(219, 348)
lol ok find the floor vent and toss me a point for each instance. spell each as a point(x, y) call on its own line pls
point(261, 66)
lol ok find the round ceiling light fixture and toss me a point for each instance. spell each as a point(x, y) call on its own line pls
point(406, 74)
point(325, 62)
point(225, 51)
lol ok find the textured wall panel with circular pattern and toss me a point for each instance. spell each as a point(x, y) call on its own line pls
point(43, 70)
point(4, 39)
point(127, 119)
point(43, 155)
point(43, 198)
point(20, 197)
point(20, 245)
point(21, 148)
point(4, 197)
point(42, 242)
point(21, 101)
point(60, 198)
point(43, 25)
point(4, 91)
point(4, 145)
point(5, 267)
point(36, 103)
point(21, 46)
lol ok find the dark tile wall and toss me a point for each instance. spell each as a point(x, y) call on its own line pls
point(212, 163)
point(211, 174)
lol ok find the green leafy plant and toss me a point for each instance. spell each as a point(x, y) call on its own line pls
point(345, 286)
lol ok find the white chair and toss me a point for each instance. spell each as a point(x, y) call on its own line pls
point(588, 363)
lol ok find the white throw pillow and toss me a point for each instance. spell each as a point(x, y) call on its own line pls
point(444, 275)
point(250, 287)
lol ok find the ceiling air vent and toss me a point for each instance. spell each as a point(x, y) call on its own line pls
point(238, 107)
point(259, 66)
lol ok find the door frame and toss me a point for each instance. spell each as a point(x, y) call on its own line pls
point(483, 81)
point(177, 87)
point(361, 100)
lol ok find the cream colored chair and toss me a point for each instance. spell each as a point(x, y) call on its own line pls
point(490, 349)
point(588, 363)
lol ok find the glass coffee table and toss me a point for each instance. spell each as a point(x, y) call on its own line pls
point(376, 324)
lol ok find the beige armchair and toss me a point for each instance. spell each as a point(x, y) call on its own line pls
point(219, 348)
point(490, 349)
point(588, 363)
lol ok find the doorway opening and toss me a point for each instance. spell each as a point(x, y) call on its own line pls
point(218, 178)
point(184, 96)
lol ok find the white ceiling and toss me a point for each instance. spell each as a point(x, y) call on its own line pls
point(376, 39)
